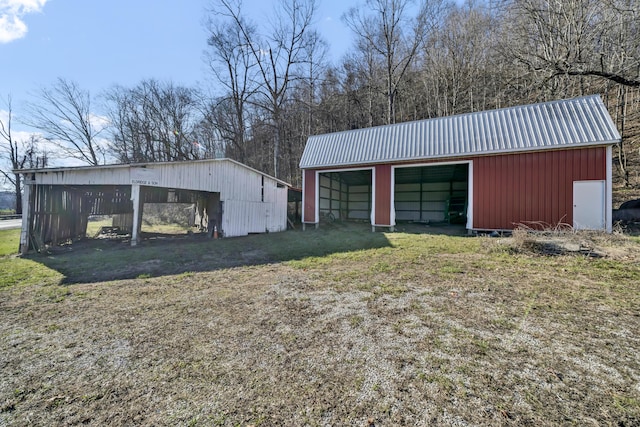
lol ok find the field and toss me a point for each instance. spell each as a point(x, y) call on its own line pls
point(335, 326)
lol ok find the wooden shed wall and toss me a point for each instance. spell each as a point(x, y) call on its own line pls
point(59, 215)
point(531, 187)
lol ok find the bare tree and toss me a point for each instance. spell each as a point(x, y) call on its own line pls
point(458, 60)
point(63, 114)
point(384, 28)
point(367, 73)
point(234, 67)
point(276, 55)
point(207, 135)
point(299, 118)
point(19, 154)
point(154, 122)
point(595, 38)
point(315, 65)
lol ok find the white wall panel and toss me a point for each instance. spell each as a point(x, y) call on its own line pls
point(278, 219)
point(253, 202)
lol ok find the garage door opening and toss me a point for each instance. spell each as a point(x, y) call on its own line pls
point(437, 194)
point(345, 196)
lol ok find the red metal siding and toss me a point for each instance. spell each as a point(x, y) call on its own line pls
point(535, 189)
point(383, 195)
point(309, 196)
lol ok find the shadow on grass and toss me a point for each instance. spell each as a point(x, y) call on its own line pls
point(438, 228)
point(90, 261)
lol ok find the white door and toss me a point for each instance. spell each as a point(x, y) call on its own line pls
point(589, 205)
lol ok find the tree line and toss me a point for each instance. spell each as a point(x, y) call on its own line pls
point(273, 84)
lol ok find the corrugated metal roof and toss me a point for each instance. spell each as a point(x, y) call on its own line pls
point(556, 124)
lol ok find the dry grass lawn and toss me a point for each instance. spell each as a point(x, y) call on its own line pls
point(337, 326)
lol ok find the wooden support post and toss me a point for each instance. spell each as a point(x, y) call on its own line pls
point(137, 214)
point(27, 213)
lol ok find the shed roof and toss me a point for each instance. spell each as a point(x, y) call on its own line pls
point(175, 164)
point(567, 123)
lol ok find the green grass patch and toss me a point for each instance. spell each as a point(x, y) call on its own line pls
point(433, 243)
point(9, 241)
point(18, 271)
point(628, 405)
point(93, 226)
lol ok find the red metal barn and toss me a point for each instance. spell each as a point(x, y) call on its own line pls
point(538, 165)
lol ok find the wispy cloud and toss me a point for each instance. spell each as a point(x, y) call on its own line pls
point(98, 122)
point(16, 135)
point(12, 27)
point(4, 116)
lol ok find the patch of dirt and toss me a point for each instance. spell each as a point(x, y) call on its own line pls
point(585, 243)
